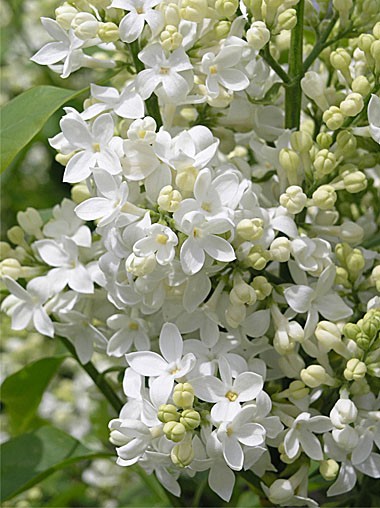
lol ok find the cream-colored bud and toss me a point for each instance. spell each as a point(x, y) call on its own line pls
point(242, 294)
point(352, 104)
point(182, 454)
point(376, 30)
point(269, 10)
point(301, 141)
point(185, 179)
point(190, 114)
point(298, 390)
point(328, 334)
point(257, 258)
point(346, 144)
point(280, 249)
point(235, 315)
point(190, 418)
point(324, 140)
point(286, 20)
point(5, 250)
point(324, 162)
point(284, 458)
point(194, 10)
point(355, 263)
point(314, 87)
point(222, 29)
point(280, 492)
point(342, 5)
point(258, 35)
point(170, 38)
point(375, 52)
point(290, 161)
point(329, 469)
point(108, 32)
point(140, 266)
point(361, 85)
point(64, 15)
point(355, 370)
point(314, 376)
point(365, 42)
point(183, 395)
point(30, 221)
point(340, 59)
point(294, 199)
point(250, 229)
point(10, 267)
point(341, 277)
point(16, 235)
point(333, 118)
point(85, 26)
point(169, 199)
point(172, 15)
point(168, 413)
point(226, 8)
point(325, 197)
point(350, 232)
point(80, 193)
point(175, 431)
point(262, 287)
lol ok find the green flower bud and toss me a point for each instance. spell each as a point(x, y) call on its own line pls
point(352, 104)
point(262, 287)
point(346, 143)
point(182, 454)
point(361, 85)
point(298, 390)
point(355, 263)
point(12, 268)
point(80, 193)
point(324, 140)
point(301, 141)
point(226, 8)
point(168, 413)
point(290, 161)
point(351, 330)
point(373, 369)
point(174, 431)
point(355, 370)
point(340, 59)
point(257, 258)
point(365, 42)
point(183, 395)
point(325, 197)
point(376, 30)
point(242, 293)
point(324, 162)
point(333, 118)
point(108, 32)
point(190, 419)
point(30, 221)
point(341, 277)
point(16, 235)
point(64, 14)
point(329, 469)
point(286, 20)
point(370, 327)
point(363, 341)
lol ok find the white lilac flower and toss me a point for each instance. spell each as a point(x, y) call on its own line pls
point(127, 103)
point(26, 306)
point(374, 117)
point(164, 369)
point(167, 71)
point(128, 331)
point(131, 26)
point(160, 240)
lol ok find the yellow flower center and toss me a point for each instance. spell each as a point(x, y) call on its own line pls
point(231, 396)
point(162, 239)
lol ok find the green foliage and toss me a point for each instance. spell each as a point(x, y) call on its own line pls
point(24, 116)
point(31, 457)
point(22, 392)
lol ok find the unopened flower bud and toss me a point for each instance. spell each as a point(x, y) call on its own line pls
point(371, 326)
point(375, 52)
point(226, 8)
point(362, 340)
point(341, 277)
point(194, 10)
point(324, 162)
point(324, 140)
point(250, 229)
point(352, 104)
point(328, 334)
point(222, 29)
point(185, 179)
point(182, 454)
point(343, 413)
point(329, 469)
point(169, 199)
point(350, 232)
point(301, 141)
point(172, 15)
point(290, 161)
point(30, 221)
point(286, 20)
point(16, 235)
point(284, 458)
point(80, 193)
point(340, 59)
point(257, 258)
point(140, 266)
point(108, 32)
point(355, 263)
point(64, 14)
point(333, 118)
point(85, 26)
point(170, 38)
point(361, 85)
point(373, 369)
point(325, 197)
point(190, 419)
point(183, 395)
point(355, 370)
point(351, 330)
point(174, 431)
point(262, 287)
point(298, 390)
point(294, 199)
point(313, 87)
point(314, 376)
point(258, 35)
point(10, 267)
point(242, 294)
point(376, 30)
point(235, 315)
point(168, 413)
point(365, 42)
point(280, 249)
point(280, 492)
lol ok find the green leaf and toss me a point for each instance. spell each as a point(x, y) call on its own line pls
point(24, 116)
point(21, 393)
point(31, 457)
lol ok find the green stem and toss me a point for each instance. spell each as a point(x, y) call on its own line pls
point(97, 377)
point(265, 53)
point(293, 92)
point(151, 104)
point(199, 492)
point(320, 44)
